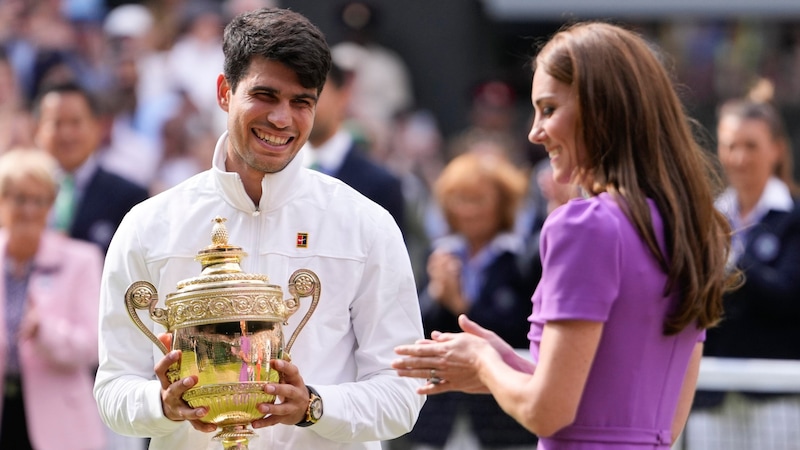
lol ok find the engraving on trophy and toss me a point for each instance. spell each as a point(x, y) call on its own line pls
point(228, 326)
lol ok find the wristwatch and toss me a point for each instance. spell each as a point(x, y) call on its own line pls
point(314, 411)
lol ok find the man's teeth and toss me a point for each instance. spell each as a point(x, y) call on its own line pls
point(272, 140)
point(553, 153)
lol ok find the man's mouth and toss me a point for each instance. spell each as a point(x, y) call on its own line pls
point(271, 139)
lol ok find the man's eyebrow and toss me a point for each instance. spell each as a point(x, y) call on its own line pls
point(275, 91)
point(305, 96)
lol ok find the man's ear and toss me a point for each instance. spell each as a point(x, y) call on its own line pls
point(223, 92)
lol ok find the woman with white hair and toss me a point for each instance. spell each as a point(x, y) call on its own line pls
point(49, 291)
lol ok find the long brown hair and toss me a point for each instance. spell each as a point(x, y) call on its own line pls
point(640, 145)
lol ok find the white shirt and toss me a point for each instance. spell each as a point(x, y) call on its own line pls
point(330, 155)
point(368, 304)
point(776, 196)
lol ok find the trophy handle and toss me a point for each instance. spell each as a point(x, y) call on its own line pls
point(303, 283)
point(143, 295)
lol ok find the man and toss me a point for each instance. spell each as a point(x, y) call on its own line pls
point(332, 150)
point(275, 67)
point(91, 201)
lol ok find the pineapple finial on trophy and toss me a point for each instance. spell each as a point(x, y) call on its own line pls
point(219, 233)
point(220, 256)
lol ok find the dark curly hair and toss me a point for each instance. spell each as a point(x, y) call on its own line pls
point(279, 35)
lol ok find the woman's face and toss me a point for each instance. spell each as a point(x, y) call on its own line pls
point(748, 152)
point(475, 210)
point(25, 206)
point(555, 125)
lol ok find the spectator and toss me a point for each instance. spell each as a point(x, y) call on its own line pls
point(331, 149)
point(48, 311)
point(761, 316)
point(91, 201)
point(382, 85)
point(476, 270)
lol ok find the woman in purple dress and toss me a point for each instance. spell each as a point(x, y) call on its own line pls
point(633, 273)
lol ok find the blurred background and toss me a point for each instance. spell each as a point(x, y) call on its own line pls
point(432, 57)
point(717, 47)
point(431, 80)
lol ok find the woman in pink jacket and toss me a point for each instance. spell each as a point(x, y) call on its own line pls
point(49, 292)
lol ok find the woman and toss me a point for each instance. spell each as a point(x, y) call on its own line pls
point(761, 317)
point(49, 295)
point(632, 274)
point(476, 270)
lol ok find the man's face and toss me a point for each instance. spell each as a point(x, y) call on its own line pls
point(269, 117)
point(67, 128)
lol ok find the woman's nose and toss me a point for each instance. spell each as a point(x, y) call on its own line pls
point(536, 135)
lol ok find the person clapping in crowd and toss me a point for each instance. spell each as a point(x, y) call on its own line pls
point(476, 270)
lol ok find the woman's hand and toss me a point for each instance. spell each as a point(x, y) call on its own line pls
point(502, 347)
point(444, 287)
point(450, 361)
point(29, 327)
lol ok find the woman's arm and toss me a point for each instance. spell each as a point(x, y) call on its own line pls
point(687, 392)
point(547, 401)
point(543, 401)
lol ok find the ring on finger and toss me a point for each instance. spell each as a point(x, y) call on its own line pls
point(433, 379)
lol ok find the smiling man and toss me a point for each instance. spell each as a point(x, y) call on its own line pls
point(285, 217)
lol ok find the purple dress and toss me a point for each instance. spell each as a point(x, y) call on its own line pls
point(596, 268)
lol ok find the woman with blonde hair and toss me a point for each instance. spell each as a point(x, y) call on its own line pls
point(477, 270)
point(633, 274)
point(49, 294)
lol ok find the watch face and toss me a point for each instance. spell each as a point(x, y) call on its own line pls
point(316, 409)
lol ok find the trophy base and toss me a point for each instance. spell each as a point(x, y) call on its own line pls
point(235, 437)
point(229, 403)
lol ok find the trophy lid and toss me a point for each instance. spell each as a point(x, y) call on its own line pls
point(220, 264)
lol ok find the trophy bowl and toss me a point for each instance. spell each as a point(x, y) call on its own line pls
point(228, 325)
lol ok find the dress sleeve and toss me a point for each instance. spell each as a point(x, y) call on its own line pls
point(581, 258)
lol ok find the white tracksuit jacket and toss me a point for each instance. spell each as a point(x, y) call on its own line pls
point(368, 303)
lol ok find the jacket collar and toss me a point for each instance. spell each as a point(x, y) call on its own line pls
point(776, 197)
point(277, 188)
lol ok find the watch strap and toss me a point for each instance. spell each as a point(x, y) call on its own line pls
point(308, 420)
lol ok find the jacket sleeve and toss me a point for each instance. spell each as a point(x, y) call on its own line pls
point(385, 313)
point(774, 283)
point(127, 394)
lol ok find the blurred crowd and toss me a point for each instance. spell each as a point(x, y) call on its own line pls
point(121, 93)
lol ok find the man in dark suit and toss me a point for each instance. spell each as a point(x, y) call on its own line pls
point(332, 149)
point(91, 200)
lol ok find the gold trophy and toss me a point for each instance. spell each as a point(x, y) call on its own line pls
point(228, 326)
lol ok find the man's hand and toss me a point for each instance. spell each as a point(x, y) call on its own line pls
point(292, 396)
point(172, 403)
